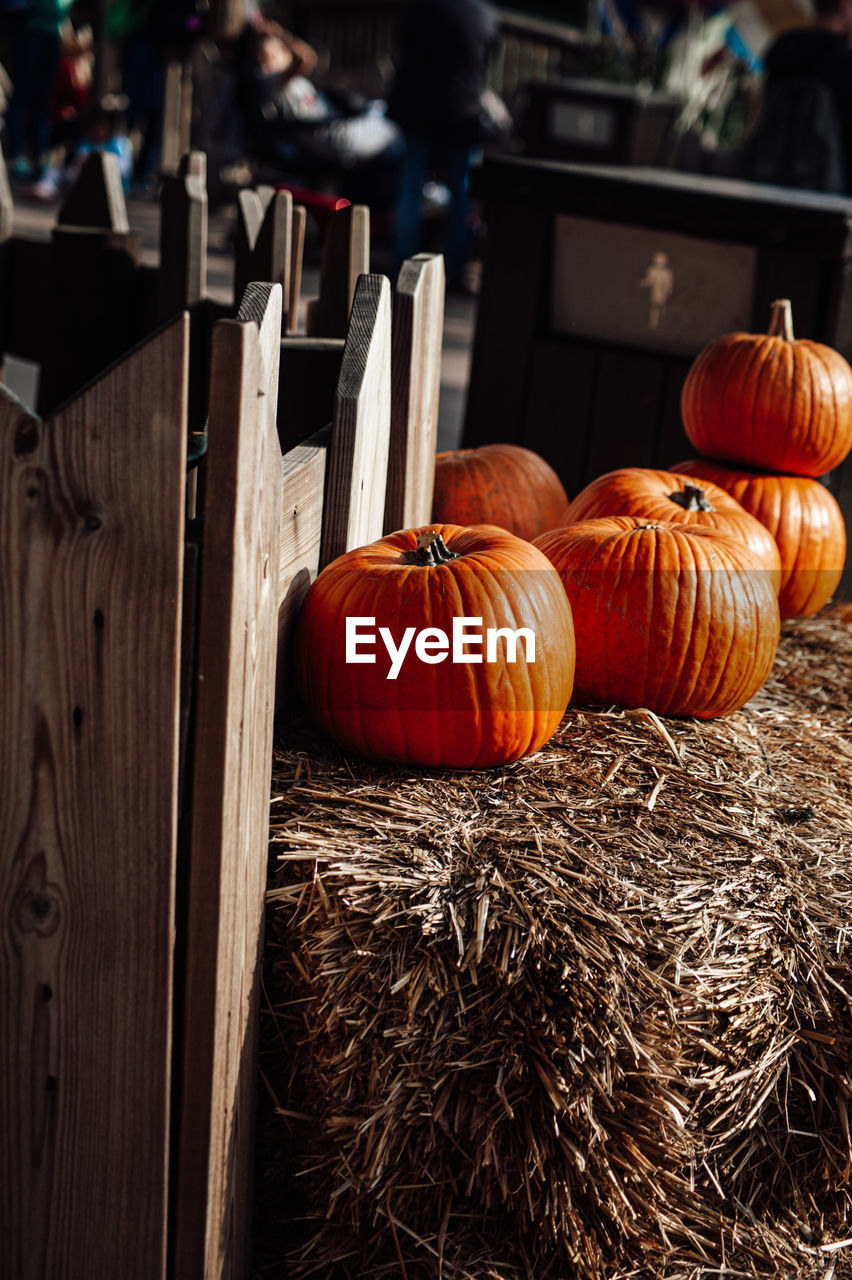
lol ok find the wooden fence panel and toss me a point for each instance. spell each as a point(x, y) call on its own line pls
point(91, 556)
point(418, 326)
point(357, 463)
point(235, 689)
point(263, 244)
point(183, 236)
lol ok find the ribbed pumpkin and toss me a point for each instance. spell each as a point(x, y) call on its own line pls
point(437, 712)
point(663, 495)
point(770, 401)
point(678, 619)
point(803, 518)
point(502, 484)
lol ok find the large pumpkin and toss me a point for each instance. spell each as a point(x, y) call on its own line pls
point(665, 495)
point(482, 703)
point(678, 619)
point(770, 401)
point(502, 484)
point(803, 518)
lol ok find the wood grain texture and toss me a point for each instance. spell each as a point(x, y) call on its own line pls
point(237, 637)
point(356, 477)
point(418, 331)
point(183, 235)
point(345, 257)
point(297, 252)
point(301, 536)
point(96, 199)
point(91, 559)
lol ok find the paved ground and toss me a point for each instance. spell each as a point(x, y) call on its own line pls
point(36, 219)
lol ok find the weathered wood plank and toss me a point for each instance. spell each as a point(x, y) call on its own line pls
point(263, 240)
point(297, 253)
point(96, 200)
point(345, 257)
point(418, 329)
point(356, 478)
point(183, 235)
point(91, 558)
point(301, 537)
point(235, 686)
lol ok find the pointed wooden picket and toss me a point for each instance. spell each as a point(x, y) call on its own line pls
point(91, 559)
point(357, 463)
point(418, 326)
point(345, 257)
point(234, 707)
point(96, 200)
point(183, 236)
point(262, 247)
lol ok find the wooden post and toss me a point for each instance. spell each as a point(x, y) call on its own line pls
point(235, 688)
point(357, 464)
point(418, 327)
point(183, 235)
point(345, 257)
point(91, 552)
point(297, 251)
point(7, 222)
point(93, 316)
point(263, 241)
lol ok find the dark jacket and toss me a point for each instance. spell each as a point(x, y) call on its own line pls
point(805, 52)
point(441, 67)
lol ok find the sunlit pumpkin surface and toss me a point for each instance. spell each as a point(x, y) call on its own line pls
point(665, 495)
point(447, 714)
point(502, 484)
point(680, 620)
point(805, 521)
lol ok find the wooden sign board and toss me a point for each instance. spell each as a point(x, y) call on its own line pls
point(674, 292)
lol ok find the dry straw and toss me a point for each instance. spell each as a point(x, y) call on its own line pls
point(585, 1016)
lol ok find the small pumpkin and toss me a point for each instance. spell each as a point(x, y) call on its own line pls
point(678, 619)
point(665, 495)
point(770, 401)
point(502, 484)
point(803, 518)
point(429, 709)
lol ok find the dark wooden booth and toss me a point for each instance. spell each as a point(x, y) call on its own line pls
point(601, 284)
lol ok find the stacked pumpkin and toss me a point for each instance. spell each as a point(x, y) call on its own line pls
point(770, 413)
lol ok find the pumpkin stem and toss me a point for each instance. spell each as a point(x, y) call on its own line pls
point(691, 498)
point(781, 320)
point(431, 550)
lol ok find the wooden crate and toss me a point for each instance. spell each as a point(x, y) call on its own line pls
point(145, 640)
point(572, 358)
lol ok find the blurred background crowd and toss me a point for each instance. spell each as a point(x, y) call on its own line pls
point(392, 102)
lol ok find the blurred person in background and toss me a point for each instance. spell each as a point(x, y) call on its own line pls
point(35, 51)
point(72, 96)
point(444, 51)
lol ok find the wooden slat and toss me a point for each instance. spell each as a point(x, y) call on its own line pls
point(7, 208)
point(263, 238)
point(91, 556)
point(301, 536)
point(26, 297)
point(563, 383)
point(418, 330)
point(310, 368)
point(183, 235)
point(345, 257)
point(96, 199)
point(297, 253)
point(170, 150)
point(358, 453)
point(237, 635)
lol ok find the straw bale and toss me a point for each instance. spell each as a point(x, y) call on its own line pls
point(588, 1015)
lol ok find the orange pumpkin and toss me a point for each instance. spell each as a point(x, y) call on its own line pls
point(803, 518)
point(664, 495)
point(770, 401)
point(675, 618)
point(502, 484)
point(436, 705)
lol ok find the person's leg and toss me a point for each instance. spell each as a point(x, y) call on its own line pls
point(412, 174)
point(456, 161)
